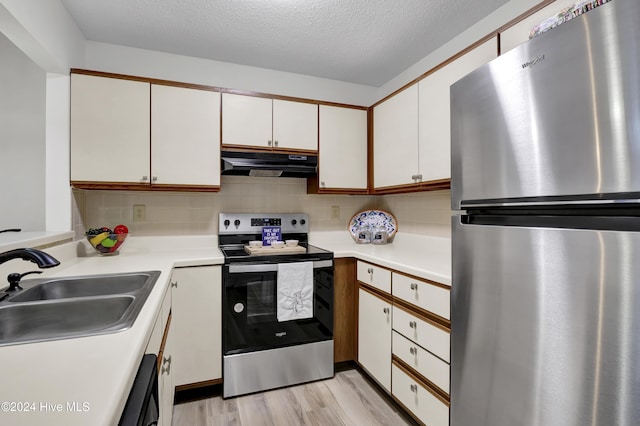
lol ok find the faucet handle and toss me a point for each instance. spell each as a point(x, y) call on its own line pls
point(14, 279)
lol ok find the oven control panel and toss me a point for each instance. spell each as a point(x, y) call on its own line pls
point(247, 223)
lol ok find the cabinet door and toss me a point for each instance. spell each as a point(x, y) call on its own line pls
point(395, 139)
point(374, 337)
point(110, 135)
point(295, 125)
point(185, 136)
point(166, 390)
point(246, 121)
point(342, 152)
point(435, 115)
point(519, 33)
point(197, 324)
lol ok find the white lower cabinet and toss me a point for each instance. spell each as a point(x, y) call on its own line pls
point(197, 324)
point(421, 360)
point(430, 409)
point(427, 334)
point(374, 337)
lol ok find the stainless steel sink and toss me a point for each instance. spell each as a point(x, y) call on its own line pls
point(84, 286)
point(62, 308)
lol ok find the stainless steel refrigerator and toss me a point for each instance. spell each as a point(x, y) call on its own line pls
point(546, 235)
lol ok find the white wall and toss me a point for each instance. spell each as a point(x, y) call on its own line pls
point(147, 63)
point(58, 193)
point(501, 16)
point(44, 31)
point(22, 158)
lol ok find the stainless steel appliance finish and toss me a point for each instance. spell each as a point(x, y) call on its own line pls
point(259, 351)
point(273, 368)
point(545, 288)
point(546, 326)
point(557, 116)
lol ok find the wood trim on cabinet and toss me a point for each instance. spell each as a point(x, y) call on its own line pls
point(119, 186)
point(344, 322)
point(156, 81)
point(467, 49)
point(432, 387)
point(196, 385)
point(370, 167)
point(375, 291)
point(244, 148)
point(313, 187)
point(163, 343)
point(422, 314)
point(424, 280)
point(433, 185)
point(419, 378)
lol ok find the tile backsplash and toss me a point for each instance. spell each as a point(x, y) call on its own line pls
point(181, 213)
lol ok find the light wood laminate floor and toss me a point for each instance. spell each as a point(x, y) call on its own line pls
point(347, 399)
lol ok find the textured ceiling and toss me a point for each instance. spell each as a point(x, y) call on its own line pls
point(359, 41)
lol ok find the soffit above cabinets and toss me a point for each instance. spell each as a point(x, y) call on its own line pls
point(359, 41)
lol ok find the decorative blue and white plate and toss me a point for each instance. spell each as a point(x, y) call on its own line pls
point(373, 219)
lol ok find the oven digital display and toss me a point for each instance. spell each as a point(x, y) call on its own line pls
point(265, 221)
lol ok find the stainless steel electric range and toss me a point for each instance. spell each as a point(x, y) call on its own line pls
point(277, 305)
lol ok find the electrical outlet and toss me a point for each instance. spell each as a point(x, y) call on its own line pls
point(335, 212)
point(139, 214)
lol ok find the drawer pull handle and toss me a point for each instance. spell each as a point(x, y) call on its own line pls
point(412, 324)
point(370, 270)
point(414, 286)
point(414, 388)
point(166, 370)
point(166, 360)
point(174, 284)
point(413, 351)
point(385, 310)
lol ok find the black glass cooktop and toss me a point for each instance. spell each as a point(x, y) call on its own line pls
point(236, 253)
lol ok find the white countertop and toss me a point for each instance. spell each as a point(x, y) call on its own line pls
point(97, 372)
point(422, 256)
point(13, 240)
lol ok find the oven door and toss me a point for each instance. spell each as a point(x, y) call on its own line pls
point(250, 320)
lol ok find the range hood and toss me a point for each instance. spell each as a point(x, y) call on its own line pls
point(268, 164)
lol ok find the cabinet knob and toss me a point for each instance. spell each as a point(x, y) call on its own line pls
point(269, 143)
point(412, 324)
point(414, 388)
point(322, 184)
point(275, 143)
point(166, 360)
point(414, 286)
point(385, 310)
point(370, 270)
point(166, 370)
point(154, 179)
point(174, 284)
point(145, 178)
point(413, 351)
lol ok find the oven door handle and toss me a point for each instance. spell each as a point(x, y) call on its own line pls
point(271, 267)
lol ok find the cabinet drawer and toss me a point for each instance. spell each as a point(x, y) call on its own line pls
point(414, 396)
point(424, 362)
point(374, 276)
point(423, 294)
point(428, 335)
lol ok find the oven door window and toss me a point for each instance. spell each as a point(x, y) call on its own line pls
point(260, 299)
point(250, 320)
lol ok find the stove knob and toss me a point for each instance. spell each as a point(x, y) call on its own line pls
point(226, 223)
point(302, 221)
point(293, 222)
point(236, 222)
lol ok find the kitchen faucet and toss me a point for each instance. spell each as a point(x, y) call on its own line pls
point(40, 258)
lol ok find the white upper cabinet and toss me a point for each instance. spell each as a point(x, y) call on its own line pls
point(246, 120)
point(295, 125)
point(519, 33)
point(185, 136)
point(250, 121)
point(395, 139)
point(109, 129)
point(435, 115)
point(342, 152)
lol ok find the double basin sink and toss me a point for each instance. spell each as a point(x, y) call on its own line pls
point(62, 308)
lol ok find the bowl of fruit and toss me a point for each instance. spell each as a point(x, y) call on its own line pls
point(107, 241)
